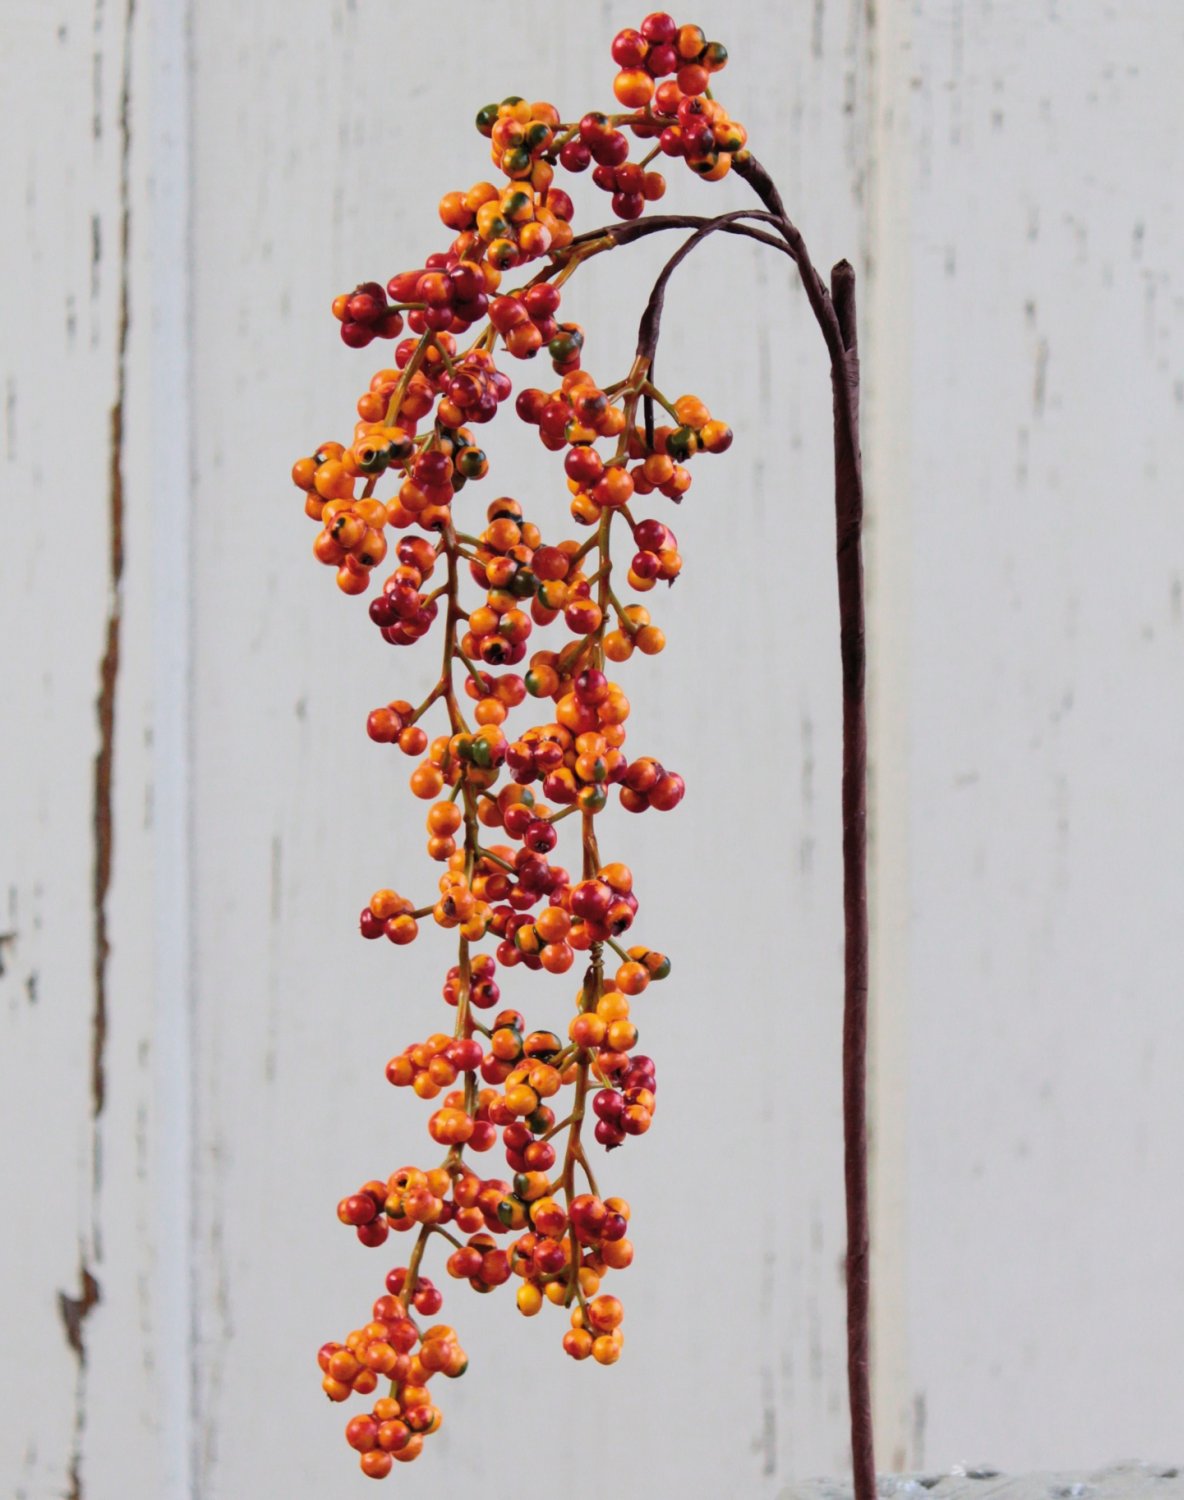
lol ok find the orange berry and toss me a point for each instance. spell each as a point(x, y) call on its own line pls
point(376, 1464)
point(521, 1100)
point(352, 580)
point(413, 740)
point(612, 1006)
point(694, 79)
point(577, 1342)
point(556, 958)
point(553, 924)
point(617, 1254)
point(616, 488)
point(453, 211)
point(618, 646)
point(444, 818)
point(692, 412)
point(426, 781)
point(343, 1366)
point(716, 437)
point(530, 1300)
point(393, 1435)
point(689, 42)
point(606, 1350)
point(632, 978)
point(587, 1029)
point(402, 929)
point(634, 87)
point(544, 1080)
point(650, 640)
point(622, 1035)
point(386, 903)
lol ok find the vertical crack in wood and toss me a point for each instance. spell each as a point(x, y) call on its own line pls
point(74, 1313)
point(75, 1310)
point(109, 665)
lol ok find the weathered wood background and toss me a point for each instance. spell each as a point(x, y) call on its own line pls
point(192, 1036)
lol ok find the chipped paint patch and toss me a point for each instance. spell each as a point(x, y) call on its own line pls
point(74, 1312)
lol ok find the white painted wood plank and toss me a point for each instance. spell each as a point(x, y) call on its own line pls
point(1029, 557)
point(1008, 179)
point(93, 1258)
point(62, 239)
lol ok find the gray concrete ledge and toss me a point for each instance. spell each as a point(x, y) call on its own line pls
point(1121, 1481)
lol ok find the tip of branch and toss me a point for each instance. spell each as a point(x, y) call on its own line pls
point(842, 291)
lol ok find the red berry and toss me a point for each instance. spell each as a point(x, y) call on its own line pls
point(659, 27)
point(575, 156)
point(629, 48)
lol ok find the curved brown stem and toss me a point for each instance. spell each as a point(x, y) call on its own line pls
point(834, 310)
point(835, 314)
point(647, 334)
point(626, 231)
point(816, 291)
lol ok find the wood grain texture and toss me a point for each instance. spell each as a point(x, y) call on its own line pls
point(1003, 177)
point(92, 1257)
point(1029, 413)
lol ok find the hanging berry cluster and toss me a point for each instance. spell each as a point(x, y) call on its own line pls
point(497, 794)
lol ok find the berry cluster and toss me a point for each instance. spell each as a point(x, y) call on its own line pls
point(497, 794)
point(366, 315)
point(391, 1347)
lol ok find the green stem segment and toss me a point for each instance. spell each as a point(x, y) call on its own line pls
point(464, 1021)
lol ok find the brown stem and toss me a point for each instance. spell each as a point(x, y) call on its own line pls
point(835, 314)
point(849, 556)
point(834, 310)
point(647, 336)
point(628, 230)
point(412, 1278)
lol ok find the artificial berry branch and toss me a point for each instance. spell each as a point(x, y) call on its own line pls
point(416, 428)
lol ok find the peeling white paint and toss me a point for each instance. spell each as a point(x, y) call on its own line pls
point(1005, 177)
